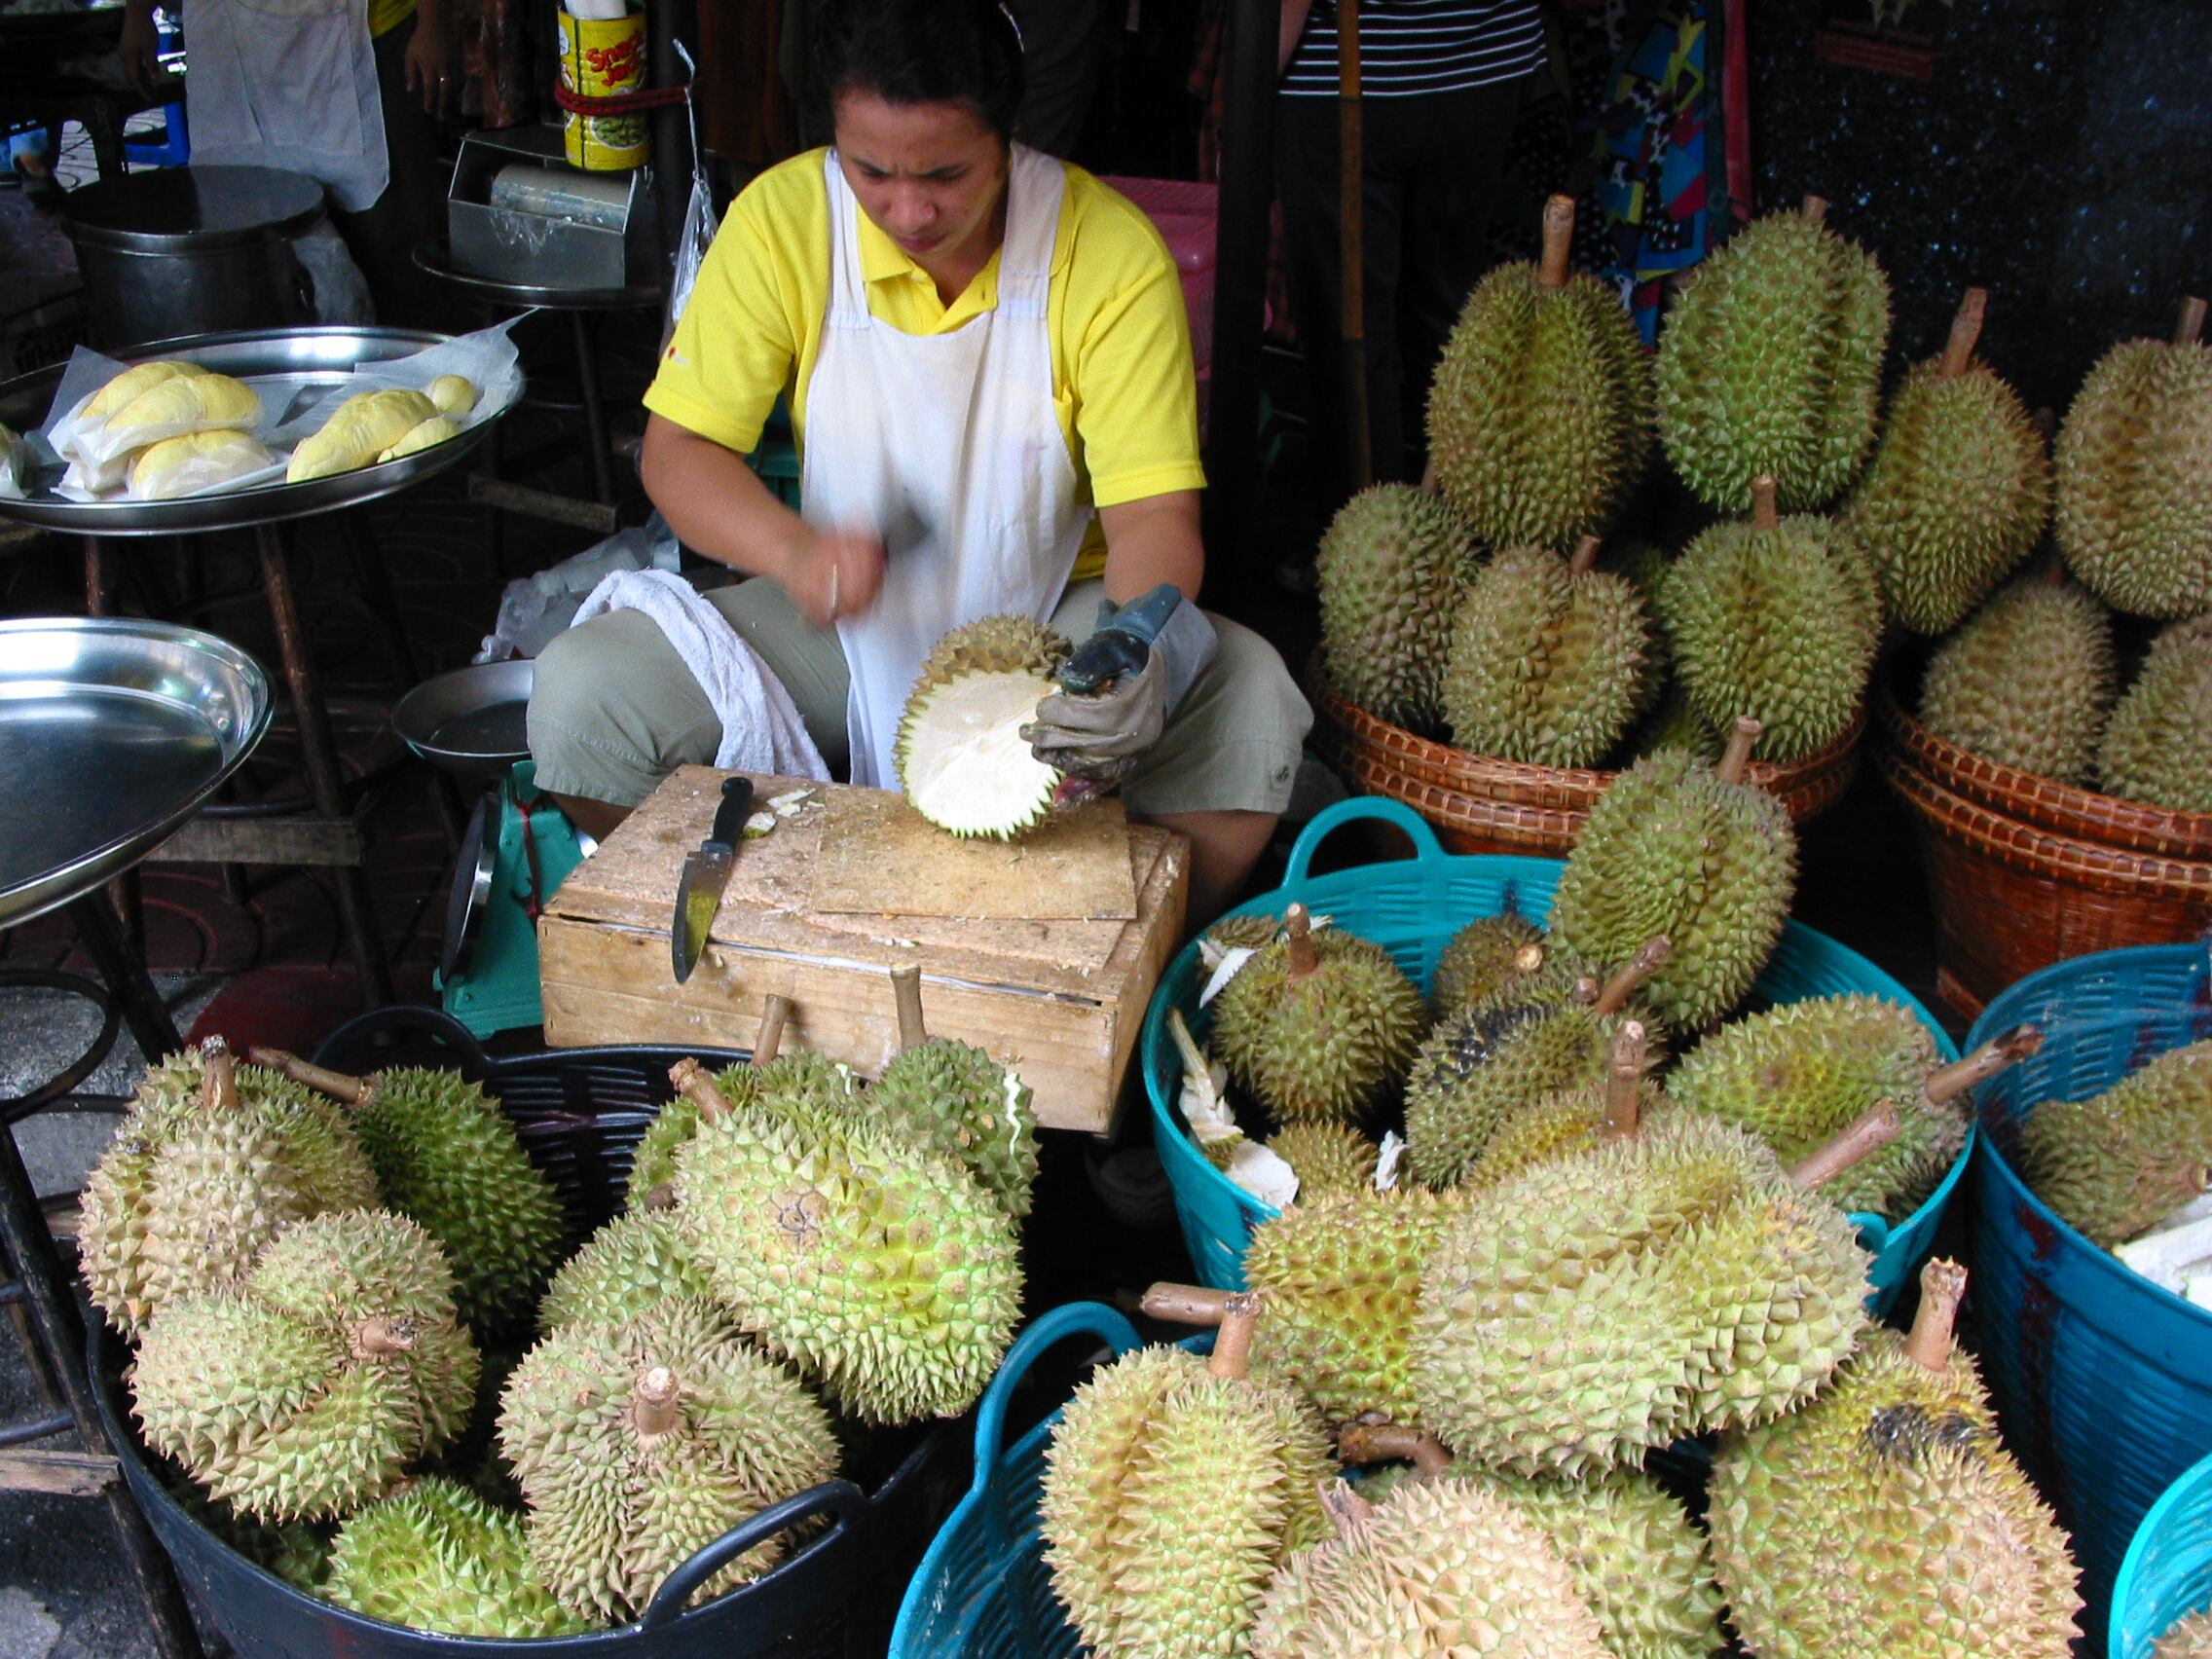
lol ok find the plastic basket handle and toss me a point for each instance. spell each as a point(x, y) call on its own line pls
point(335, 1048)
point(839, 1498)
point(1331, 818)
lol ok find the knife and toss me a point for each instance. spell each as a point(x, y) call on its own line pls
point(706, 872)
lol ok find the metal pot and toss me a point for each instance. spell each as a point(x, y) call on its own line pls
point(193, 251)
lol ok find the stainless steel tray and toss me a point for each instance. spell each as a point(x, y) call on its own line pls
point(471, 721)
point(314, 353)
point(113, 731)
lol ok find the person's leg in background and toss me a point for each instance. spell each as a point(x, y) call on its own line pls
point(1063, 54)
point(384, 237)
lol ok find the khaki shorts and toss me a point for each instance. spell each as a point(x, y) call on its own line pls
point(614, 710)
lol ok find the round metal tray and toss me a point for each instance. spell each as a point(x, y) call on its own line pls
point(469, 721)
point(328, 355)
point(113, 731)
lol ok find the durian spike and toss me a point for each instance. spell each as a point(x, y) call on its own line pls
point(1873, 1129)
point(345, 1090)
point(2006, 1049)
point(383, 1336)
point(696, 1083)
point(1185, 1304)
point(1738, 754)
point(1559, 241)
point(1232, 1355)
point(1965, 333)
point(1942, 1284)
point(1393, 1442)
point(1631, 975)
point(219, 1083)
point(2189, 328)
point(655, 1407)
point(1814, 209)
point(1624, 1077)
point(1298, 928)
point(906, 983)
point(770, 1041)
point(1584, 559)
point(1765, 515)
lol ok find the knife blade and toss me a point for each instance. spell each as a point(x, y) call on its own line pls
point(706, 872)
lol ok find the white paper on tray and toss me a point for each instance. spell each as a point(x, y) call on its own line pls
point(14, 464)
point(487, 359)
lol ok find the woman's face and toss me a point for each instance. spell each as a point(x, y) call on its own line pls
point(930, 175)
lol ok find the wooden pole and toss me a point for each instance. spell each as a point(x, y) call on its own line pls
point(1352, 243)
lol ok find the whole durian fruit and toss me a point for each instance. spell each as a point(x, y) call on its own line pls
point(1636, 1558)
point(2134, 516)
point(1319, 1025)
point(1483, 957)
point(1391, 567)
point(637, 1444)
point(445, 1155)
point(1798, 1075)
point(1173, 1488)
point(1885, 1521)
point(953, 1099)
point(1329, 1160)
point(2188, 1637)
point(1549, 1031)
point(434, 1556)
point(1438, 1567)
point(1622, 1297)
point(2027, 682)
point(884, 1273)
point(213, 1161)
point(1959, 487)
point(1676, 848)
point(1341, 1279)
point(1777, 620)
point(2158, 745)
point(1573, 1119)
point(961, 757)
point(1548, 658)
point(303, 1392)
point(636, 1261)
point(1771, 362)
point(2115, 1164)
point(1539, 418)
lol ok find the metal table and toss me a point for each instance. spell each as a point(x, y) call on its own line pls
point(328, 835)
point(164, 714)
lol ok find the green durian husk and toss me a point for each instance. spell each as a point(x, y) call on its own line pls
point(1672, 723)
point(2158, 745)
point(1552, 1126)
point(1244, 933)
point(2116, 1163)
point(2027, 682)
point(1885, 1521)
point(1540, 415)
point(1169, 1498)
point(1325, 1047)
point(953, 1099)
point(634, 1262)
point(1771, 362)
point(1480, 960)
point(1329, 1160)
point(2134, 466)
point(802, 1087)
point(436, 1557)
point(615, 1504)
point(1391, 565)
point(1546, 665)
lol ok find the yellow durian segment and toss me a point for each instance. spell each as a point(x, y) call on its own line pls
point(454, 395)
point(358, 432)
point(200, 400)
point(196, 460)
point(435, 430)
point(128, 384)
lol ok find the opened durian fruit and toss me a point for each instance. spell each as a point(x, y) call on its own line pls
point(962, 760)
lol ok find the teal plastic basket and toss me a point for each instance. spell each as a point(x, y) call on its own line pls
point(2167, 1572)
point(982, 1590)
point(1411, 907)
point(2102, 1380)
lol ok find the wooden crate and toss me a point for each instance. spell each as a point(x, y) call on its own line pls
point(1064, 999)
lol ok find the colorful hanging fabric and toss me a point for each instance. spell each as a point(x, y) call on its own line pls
point(1650, 151)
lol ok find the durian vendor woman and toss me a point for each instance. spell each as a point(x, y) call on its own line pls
point(987, 364)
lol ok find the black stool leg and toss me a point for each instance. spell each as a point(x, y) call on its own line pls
point(124, 972)
point(595, 414)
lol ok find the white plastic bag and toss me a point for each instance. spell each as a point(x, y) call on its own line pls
point(698, 232)
point(535, 609)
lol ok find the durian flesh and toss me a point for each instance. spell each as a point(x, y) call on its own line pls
point(961, 757)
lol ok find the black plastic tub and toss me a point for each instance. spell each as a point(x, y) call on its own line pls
point(580, 1112)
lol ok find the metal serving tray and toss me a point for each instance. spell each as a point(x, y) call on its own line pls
point(314, 354)
point(113, 731)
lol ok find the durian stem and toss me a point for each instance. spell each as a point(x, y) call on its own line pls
point(1393, 1442)
point(1559, 241)
point(2189, 329)
point(1624, 1079)
point(1347, 1511)
point(655, 1410)
point(1233, 1348)
point(1965, 333)
point(696, 1083)
point(661, 1196)
point(1942, 1284)
point(1874, 1129)
point(345, 1090)
point(1631, 975)
point(906, 983)
point(1186, 1304)
point(1584, 559)
point(1738, 753)
point(1528, 959)
point(383, 1336)
point(219, 1086)
point(1766, 513)
point(1298, 928)
point(1816, 210)
point(2004, 1050)
point(769, 1042)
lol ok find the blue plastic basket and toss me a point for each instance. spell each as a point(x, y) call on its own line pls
point(2168, 1570)
point(1411, 907)
point(2103, 1381)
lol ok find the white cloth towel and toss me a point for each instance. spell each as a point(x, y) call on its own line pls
point(761, 731)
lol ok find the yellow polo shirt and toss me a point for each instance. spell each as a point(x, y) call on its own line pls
point(1121, 379)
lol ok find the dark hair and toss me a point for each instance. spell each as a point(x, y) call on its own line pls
point(908, 52)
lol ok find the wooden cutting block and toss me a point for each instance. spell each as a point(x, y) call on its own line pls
point(1062, 996)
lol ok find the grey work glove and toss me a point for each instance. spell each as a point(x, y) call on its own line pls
point(1119, 687)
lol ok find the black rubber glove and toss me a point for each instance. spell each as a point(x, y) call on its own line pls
point(1120, 687)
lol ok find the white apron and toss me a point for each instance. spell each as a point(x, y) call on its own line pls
point(289, 84)
point(951, 431)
